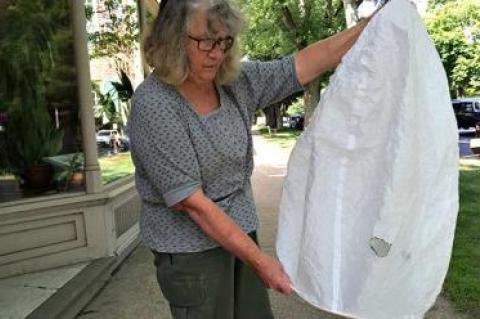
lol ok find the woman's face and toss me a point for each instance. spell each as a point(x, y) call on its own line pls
point(204, 65)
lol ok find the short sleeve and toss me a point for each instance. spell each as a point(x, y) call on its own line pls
point(162, 150)
point(269, 82)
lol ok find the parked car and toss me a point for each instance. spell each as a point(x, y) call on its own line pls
point(467, 112)
point(104, 137)
point(296, 121)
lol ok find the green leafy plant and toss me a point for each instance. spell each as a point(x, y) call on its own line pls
point(26, 59)
point(25, 51)
point(30, 137)
point(455, 30)
point(114, 105)
point(124, 88)
point(297, 107)
point(64, 176)
point(118, 37)
point(277, 28)
point(106, 107)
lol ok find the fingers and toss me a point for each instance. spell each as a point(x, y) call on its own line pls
point(282, 284)
point(274, 276)
point(286, 284)
point(285, 287)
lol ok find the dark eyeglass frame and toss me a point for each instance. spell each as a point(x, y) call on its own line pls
point(162, 4)
point(227, 42)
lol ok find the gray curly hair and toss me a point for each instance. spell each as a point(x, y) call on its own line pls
point(164, 46)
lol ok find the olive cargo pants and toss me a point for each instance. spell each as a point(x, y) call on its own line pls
point(212, 284)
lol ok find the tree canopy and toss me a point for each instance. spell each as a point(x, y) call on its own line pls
point(455, 29)
point(278, 28)
point(118, 36)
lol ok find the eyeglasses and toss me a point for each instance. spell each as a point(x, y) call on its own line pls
point(163, 3)
point(208, 45)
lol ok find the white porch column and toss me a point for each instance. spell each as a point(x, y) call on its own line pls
point(85, 98)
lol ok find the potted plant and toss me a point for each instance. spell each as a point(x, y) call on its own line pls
point(26, 58)
point(70, 176)
point(30, 138)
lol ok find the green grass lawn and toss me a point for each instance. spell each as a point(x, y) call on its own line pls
point(115, 167)
point(285, 137)
point(6, 177)
point(462, 285)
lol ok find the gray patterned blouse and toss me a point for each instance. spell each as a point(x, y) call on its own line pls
point(177, 150)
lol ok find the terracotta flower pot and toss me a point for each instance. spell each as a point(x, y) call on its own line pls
point(77, 180)
point(38, 176)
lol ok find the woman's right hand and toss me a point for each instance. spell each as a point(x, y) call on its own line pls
point(273, 275)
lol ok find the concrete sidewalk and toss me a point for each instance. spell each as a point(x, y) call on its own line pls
point(133, 292)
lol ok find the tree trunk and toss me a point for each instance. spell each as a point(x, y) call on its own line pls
point(142, 18)
point(329, 13)
point(279, 114)
point(311, 97)
point(255, 118)
point(351, 14)
point(273, 116)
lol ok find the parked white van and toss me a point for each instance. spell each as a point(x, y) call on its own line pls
point(104, 137)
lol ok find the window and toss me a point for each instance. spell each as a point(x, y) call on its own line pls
point(477, 107)
point(40, 132)
point(466, 107)
point(114, 70)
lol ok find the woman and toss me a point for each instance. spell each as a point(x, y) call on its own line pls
point(192, 148)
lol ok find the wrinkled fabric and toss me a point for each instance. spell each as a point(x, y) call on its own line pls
point(370, 200)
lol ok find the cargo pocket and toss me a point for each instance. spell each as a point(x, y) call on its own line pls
point(183, 290)
point(181, 286)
